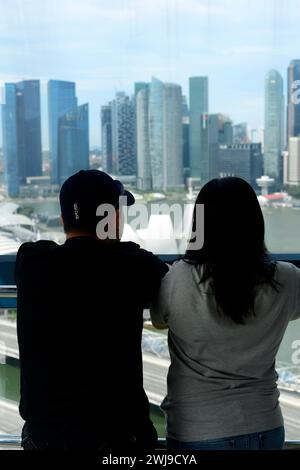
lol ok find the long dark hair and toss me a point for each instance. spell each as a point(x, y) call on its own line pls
point(234, 255)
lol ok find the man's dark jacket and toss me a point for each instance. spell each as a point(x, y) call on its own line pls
point(79, 322)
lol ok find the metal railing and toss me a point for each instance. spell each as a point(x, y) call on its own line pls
point(10, 441)
point(13, 441)
point(8, 292)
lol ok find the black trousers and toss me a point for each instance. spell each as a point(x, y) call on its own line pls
point(51, 438)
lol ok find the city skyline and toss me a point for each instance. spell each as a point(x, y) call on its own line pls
point(164, 116)
point(44, 104)
point(105, 48)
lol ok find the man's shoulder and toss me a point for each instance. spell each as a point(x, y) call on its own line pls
point(38, 247)
point(135, 250)
point(147, 258)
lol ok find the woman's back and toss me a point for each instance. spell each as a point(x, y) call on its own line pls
point(222, 378)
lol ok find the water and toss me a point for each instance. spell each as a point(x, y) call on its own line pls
point(282, 225)
point(282, 229)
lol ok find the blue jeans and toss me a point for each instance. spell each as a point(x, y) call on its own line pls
point(266, 440)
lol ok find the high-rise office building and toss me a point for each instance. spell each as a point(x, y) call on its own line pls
point(140, 86)
point(219, 132)
point(185, 108)
point(106, 138)
point(240, 133)
point(185, 137)
point(292, 167)
point(165, 135)
point(293, 108)
point(220, 129)
point(172, 136)
point(274, 124)
point(207, 164)
point(73, 142)
point(198, 89)
point(258, 137)
point(186, 145)
point(156, 133)
point(61, 101)
point(243, 160)
point(10, 140)
point(21, 125)
point(123, 135)
point(144, 175)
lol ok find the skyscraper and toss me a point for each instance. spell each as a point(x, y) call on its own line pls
point(22, 144)
point(140, 86)
point(144, 177)
point(73, 142)
point(185, 138)
point(10, 140)
point(292, 169)
point(172, 136)
point(156, 133)
point(123, 134)
point(198, 87)
point(61, 100)
point(293, 109)
point(243, 160)
point(106, 138)
point(274, 124)
point(220, 129)
point(186, 145)
point(165, 135)
point(240, 133)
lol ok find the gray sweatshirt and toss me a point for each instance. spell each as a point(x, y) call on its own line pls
point(222, 378)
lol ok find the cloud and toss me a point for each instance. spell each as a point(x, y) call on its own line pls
point(106, 45)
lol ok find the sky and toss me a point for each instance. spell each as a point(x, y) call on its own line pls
point(107, 45)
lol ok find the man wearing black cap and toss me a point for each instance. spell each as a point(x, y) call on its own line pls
point(79, 326)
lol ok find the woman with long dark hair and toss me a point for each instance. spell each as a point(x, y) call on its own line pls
point(227, 306)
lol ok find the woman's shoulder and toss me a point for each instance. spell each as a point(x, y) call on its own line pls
point(283, 268)
point(181, 266)
point(286, 272)
point(182, 270)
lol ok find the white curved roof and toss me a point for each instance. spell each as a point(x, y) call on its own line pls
point(8, 208)
point(15, 219)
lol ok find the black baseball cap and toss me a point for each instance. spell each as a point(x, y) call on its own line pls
point(83, 192)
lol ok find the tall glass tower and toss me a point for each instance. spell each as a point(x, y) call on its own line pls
point(123, 134)
point(61, 100)
point(274, 124)
point(144, 178)
point(10, 140)
point(22, 142)
point(199, 156)
point(165, 135)
point(73, 142)
point(172, 135)
point(293, 109)
point(106, 138)
point(156, 133)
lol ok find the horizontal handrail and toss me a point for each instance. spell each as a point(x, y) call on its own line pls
point(8, 291)
point(10, 440)
point(14, 440)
